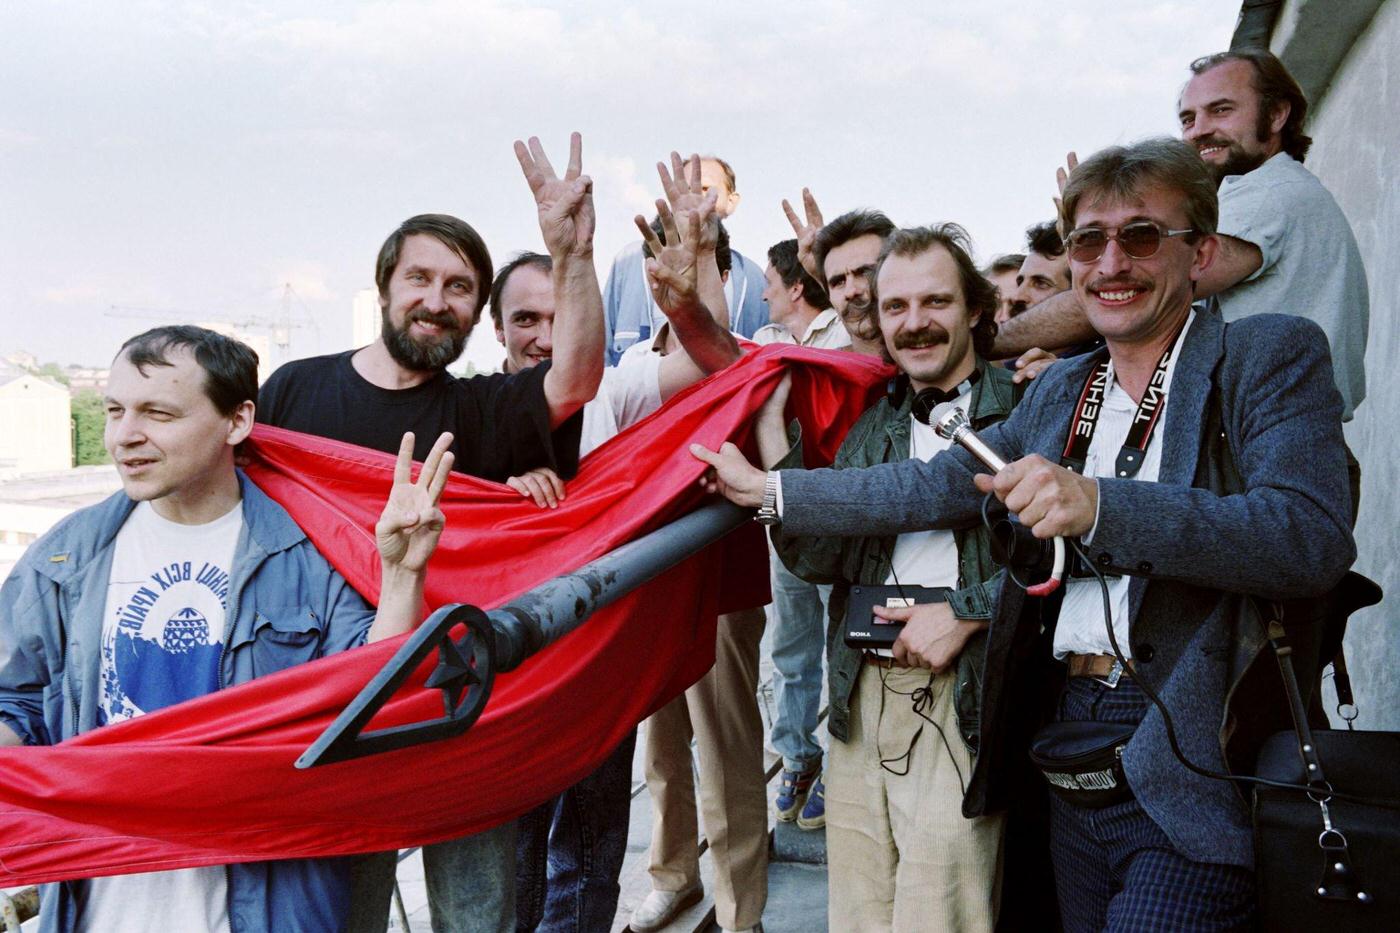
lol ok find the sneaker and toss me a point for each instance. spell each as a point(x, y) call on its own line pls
point(792, 793)
point(660, 907)
point(813, 814)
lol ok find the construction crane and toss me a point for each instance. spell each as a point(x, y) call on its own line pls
point(279, 327)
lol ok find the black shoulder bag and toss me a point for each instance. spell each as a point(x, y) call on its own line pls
point(1328, 857)
point(1326, 837)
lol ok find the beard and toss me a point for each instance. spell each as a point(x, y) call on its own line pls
point(1237, 161)
point(425, 356)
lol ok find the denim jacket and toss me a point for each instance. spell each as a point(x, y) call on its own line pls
point(286, 605)
point(881, 435)
point(631, 315)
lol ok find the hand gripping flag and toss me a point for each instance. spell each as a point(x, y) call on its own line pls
point(211, 780)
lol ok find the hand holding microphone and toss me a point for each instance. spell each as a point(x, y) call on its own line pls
point(1048, 499)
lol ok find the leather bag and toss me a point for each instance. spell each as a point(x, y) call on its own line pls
point(1327, 858)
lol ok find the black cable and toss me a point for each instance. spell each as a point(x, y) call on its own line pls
point(1167, 720)
point(987, 521)
point(921, 699)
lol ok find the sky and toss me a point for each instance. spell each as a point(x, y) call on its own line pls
point(190, 160)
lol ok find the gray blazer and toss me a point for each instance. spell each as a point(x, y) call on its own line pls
point(1192, 552)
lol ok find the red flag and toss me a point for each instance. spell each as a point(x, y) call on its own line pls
point(212, 781)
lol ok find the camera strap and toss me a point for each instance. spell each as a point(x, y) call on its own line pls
point(1086, 417)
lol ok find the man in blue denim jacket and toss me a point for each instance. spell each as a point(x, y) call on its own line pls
point(631, 314)
point(187, 581)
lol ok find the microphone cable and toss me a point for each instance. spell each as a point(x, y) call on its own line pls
point(1332, 793)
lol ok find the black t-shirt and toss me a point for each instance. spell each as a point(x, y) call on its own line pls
point(500, 423)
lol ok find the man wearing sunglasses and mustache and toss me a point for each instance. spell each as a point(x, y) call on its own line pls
point(1285, 246)
point(1195, 462)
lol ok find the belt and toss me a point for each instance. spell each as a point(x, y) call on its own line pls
point(879, 660)
point(1104, 667)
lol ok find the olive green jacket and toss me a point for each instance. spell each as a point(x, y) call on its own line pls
point(881, 435)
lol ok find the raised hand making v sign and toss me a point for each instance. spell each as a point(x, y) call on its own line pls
point(687, 196)
point(806, 233)
point(407, 534)
point(567, 221)
point(677, 275)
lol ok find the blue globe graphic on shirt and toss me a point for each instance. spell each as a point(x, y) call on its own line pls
point(185, 631)
point(160, 668)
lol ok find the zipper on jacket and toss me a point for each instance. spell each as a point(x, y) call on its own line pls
point(73, 702)
point(230, 621)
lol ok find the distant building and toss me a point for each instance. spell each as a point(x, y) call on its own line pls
point(86, 379)
point(22, 359)
point(365, 318)
point(36, 433)
point(32, 505)
point(260, 343)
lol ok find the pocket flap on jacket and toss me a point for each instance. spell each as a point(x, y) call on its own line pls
point(286, 625)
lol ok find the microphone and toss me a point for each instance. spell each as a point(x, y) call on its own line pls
point(953, 425)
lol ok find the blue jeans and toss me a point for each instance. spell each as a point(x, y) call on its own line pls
point(570, 851)
point(1116, 870)
point(471, 885)
point(799, 639)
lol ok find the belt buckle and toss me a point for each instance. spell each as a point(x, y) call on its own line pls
point(1115, 674)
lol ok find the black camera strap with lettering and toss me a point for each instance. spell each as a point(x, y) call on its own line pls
point(1086, 418)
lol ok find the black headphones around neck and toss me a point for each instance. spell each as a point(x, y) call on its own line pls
point(926, 400)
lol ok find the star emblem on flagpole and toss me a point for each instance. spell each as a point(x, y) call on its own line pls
point(454, 673)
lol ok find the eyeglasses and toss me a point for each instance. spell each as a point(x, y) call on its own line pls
point(1139, 240)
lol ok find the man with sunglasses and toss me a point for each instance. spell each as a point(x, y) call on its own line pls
point(1284, 245)
point(1205, 465)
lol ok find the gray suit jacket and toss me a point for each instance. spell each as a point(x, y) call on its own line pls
point(1193, 553)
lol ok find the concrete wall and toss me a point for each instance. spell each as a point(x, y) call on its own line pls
point(35, 427)
point(1356, 153)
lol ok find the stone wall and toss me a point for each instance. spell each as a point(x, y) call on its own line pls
point(1356, 153)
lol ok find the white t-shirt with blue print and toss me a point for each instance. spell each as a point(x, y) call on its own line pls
point(162, 640)
point(163, 632)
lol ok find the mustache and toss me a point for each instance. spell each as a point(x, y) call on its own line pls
point(1113, 285)
point(444, 319)
point(858, 306)
point(1208, 141)
point(931, 335)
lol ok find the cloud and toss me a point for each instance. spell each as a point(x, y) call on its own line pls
point(71, 294)
point(214, 149)
point(12, 140)
point(307, 279)
point(617, 180)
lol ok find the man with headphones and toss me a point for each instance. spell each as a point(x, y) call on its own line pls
point(1201, 467)
point(904, 682)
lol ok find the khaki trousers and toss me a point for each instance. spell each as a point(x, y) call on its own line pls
point(901, 855)
point(721, 711)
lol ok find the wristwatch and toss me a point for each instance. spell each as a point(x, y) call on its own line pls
point(767, 513)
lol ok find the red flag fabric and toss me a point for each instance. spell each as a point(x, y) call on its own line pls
point(212, 781)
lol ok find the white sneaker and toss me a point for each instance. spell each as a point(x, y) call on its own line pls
point(660, 907)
